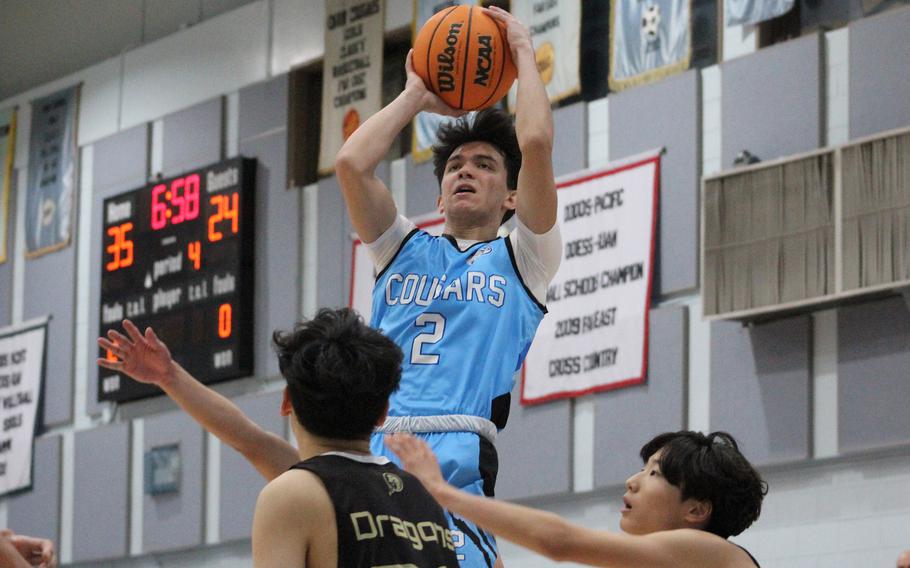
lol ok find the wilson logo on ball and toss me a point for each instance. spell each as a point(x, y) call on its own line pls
point(463, 56)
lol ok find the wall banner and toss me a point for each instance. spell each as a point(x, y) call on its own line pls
point(52, 164)
point(352, 72)
point(427, 123)
point(595, 336)
point(21, 376)
point(555, 27)
point(7, 153)
point(649, 40)
point(739, 12)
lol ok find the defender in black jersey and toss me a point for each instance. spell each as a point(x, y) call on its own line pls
point(339, 506)
point(693, 493)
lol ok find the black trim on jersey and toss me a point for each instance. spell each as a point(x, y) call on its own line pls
point(750, 555)
point(488, 464)
point(542, 307)
point(465, 529)
point(487, 537)
point(404, 241)
point(454, 242)
point(499, 410)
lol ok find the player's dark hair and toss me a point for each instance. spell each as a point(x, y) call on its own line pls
point(340, 373)
point(493, 126)
point(711, 468)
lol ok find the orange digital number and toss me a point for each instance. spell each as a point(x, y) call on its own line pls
point(228, 210)
point(121, 250)
point(224, 321)
point(110, 355)
point(194, 251)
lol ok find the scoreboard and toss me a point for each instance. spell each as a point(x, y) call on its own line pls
point(177, 256)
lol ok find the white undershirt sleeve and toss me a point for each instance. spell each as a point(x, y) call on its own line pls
point(537, 257)
point(383, 249)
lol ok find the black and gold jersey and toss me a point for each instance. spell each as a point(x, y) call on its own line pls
point(384, 516)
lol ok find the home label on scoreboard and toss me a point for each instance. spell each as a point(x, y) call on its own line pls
point(177, 256)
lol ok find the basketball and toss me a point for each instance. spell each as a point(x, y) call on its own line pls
point(463, 56)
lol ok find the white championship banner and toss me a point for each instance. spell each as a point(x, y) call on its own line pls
point(595, 334)
point(555, 27)
point(363, 276)
point(21, 374)
point(352, 72)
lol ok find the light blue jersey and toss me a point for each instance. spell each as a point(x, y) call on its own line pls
point(464, 320)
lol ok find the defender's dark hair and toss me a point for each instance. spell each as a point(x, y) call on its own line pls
point(711, 468)
point(340, 373)
point(493, 126)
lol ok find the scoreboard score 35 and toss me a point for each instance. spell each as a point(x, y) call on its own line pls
point(177, 256)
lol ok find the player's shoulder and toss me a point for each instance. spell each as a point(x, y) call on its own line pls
point(710, 550)
point(297, 493)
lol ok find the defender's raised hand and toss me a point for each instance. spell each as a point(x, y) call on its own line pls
point(143, 357)
point(419, 460)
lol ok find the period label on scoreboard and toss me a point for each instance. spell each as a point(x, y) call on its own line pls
point(177, 256)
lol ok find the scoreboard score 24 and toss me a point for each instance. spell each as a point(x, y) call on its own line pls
point(177, 256)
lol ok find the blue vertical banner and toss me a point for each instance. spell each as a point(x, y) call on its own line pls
point(649, 40)
point(427, 123)
point(7, 153)
point(52, 172)
point(739, 12)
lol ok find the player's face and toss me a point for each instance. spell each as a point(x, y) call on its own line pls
point(651, 503)
point(474, 183)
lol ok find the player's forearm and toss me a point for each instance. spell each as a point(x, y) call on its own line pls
point(533, 117)
point(370, 143)
point(536, 530)
point(270, 454)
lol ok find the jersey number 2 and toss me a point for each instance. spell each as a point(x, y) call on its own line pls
point(437, 327)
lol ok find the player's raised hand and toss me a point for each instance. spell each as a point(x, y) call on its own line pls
point(429, 101)
point(417, 459)
point(36, 551)
point(143, 357)
point(517, 34)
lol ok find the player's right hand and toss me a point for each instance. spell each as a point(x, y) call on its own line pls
point(429, 101)
point(417, 459)
point(143, 357)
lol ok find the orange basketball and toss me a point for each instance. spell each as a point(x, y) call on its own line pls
point(463, 56)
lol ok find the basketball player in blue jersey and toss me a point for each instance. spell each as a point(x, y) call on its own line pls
point(463, 307)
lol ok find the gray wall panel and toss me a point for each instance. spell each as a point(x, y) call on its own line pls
point(570, 142)
point(37, 512)
point(535, 450)
point(172, 521)
point(873, 346)
point(334, 244)
point(192, 137)
point(120, 163)
point(277, 247)
point(771, 101)
point(760, 383)
point(101, 493)
point(626, 418)
point(50, 289)
point(422, 189)
point(666, 114)
point(879, 82)
point(263, 107)
point(6, 269)
point(240, 483)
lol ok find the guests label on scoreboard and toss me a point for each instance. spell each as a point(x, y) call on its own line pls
point(596, 332)
point(21, 374)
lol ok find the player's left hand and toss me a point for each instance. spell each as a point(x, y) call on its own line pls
point(36, 551)
point(517, 34)
point(417, 459)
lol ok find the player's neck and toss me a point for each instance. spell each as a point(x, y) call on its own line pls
point(310, 446)
point(469, 232)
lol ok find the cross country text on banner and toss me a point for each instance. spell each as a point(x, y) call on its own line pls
point(595, 335)
point(352, 72)
point(51, 172)
point(7, 153)
point(555, 27)
point(649, 40)
point(21, 375)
